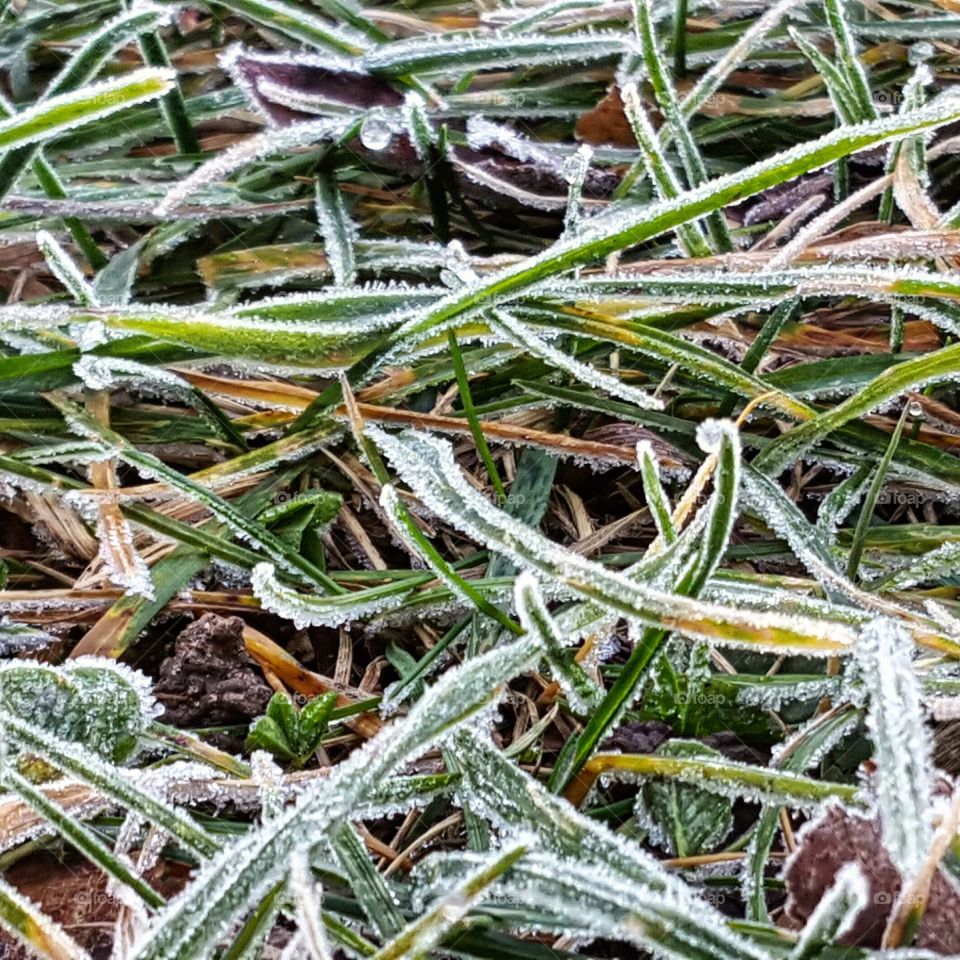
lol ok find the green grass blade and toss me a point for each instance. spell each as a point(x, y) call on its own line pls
point(293, 20)
point(632, 224)
point(669, 104)
point(658, 166)
point(173, 105)
point(849, 62)
point(368, 886)
point(476, 430)
point(870, 502)
point(83, 839)
point(50, 118)
point(943, 364)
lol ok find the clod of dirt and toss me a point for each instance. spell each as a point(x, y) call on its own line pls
point(840, 837)
point(211, 679)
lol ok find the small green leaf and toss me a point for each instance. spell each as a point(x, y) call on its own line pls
point(313, 721)
point(283, 713)
point(267, 734)
point(687, 819)
point(288, 734)
point(278, 731)
point(302, 515)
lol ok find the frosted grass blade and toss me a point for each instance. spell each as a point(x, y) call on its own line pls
point(726, 777)
point(292, 20)
point(710, 81)
point(306, 610)
point(247, 151)
point(84, 839)
point(511, 800)
point(338, 232)
point(658, 166)
point(406, 528)
point(943, 364)
point(149, 465)
point(901, 743)
point(630, 224)
point(583, 694)
point(50, 118)
point(655, 495)
point(659, 75)
point(430, 469)
point(425, 933)
point(691, 564)
point(458, 53)
point(805, 748)
point(104, 777)
point(81, 68)
point(370, 889)
point(848, 61)
point(65, 270)
point(514, 331)
point(844, 100)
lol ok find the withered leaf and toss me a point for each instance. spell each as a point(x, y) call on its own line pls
point(840, 837)
point(498, 174)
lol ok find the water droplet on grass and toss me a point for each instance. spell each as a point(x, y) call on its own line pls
point(375, 132)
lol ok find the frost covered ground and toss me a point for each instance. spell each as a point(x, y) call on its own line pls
point(479, 480)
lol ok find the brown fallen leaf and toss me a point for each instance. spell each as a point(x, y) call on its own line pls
point(840, 837)
point(606, 123)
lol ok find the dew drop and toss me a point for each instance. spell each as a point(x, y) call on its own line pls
point(920, 52)
point(375, 132)
point(575, 166)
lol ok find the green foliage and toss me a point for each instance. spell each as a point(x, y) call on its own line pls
point(93, 703)
point(302, 520)
point(568, 389)
point(290, 734)
point(685, 819)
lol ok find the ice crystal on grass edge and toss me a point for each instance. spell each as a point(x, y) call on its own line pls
point(903, 782)
point(431, 470)
point(312, 611)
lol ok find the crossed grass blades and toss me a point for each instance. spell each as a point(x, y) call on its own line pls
point(552, 406)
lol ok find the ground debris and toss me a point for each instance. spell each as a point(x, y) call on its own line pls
point(842, 837)
point(210, 679)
